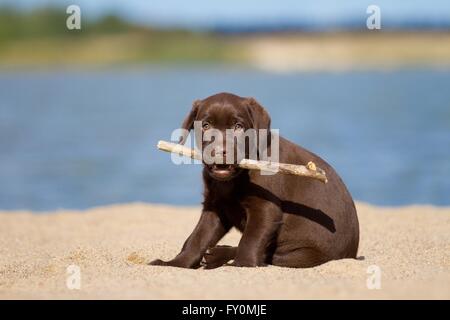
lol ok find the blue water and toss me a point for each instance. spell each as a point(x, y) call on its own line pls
point(71, 139)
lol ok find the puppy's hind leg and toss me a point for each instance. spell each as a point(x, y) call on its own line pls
point(300, 258)
point(218, 256)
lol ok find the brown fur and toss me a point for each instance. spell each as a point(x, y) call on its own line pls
point(286, 220)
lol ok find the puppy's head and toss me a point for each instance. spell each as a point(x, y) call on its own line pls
point(232, 117)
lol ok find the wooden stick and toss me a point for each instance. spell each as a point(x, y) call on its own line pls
point(310, 170)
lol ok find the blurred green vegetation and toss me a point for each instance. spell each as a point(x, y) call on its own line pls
point(41, 37)
point(17, 26)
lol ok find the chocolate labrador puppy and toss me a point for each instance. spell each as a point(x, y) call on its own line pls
point(285, 220)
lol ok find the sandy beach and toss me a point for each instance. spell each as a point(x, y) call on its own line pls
point(112, 245)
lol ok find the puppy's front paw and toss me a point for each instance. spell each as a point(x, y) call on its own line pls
point(158, 262)
point(217, 256)
point(179, 263)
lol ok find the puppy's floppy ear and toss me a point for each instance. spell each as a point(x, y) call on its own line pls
point(260, 117)
point(188, 122)
point(261, 120)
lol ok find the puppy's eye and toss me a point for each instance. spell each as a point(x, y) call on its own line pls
point(206, 126)
point(238, 126)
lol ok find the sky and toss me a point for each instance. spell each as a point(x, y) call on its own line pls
point(204, 13)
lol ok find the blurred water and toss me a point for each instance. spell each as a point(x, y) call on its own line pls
point(71, 139)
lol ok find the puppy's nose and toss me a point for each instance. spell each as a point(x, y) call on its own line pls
point(219, 152)
point(219, 155)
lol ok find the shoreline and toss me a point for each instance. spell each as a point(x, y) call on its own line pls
point(271, 52)
point(161, 205)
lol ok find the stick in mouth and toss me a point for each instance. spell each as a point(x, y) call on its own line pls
point(310, 170)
